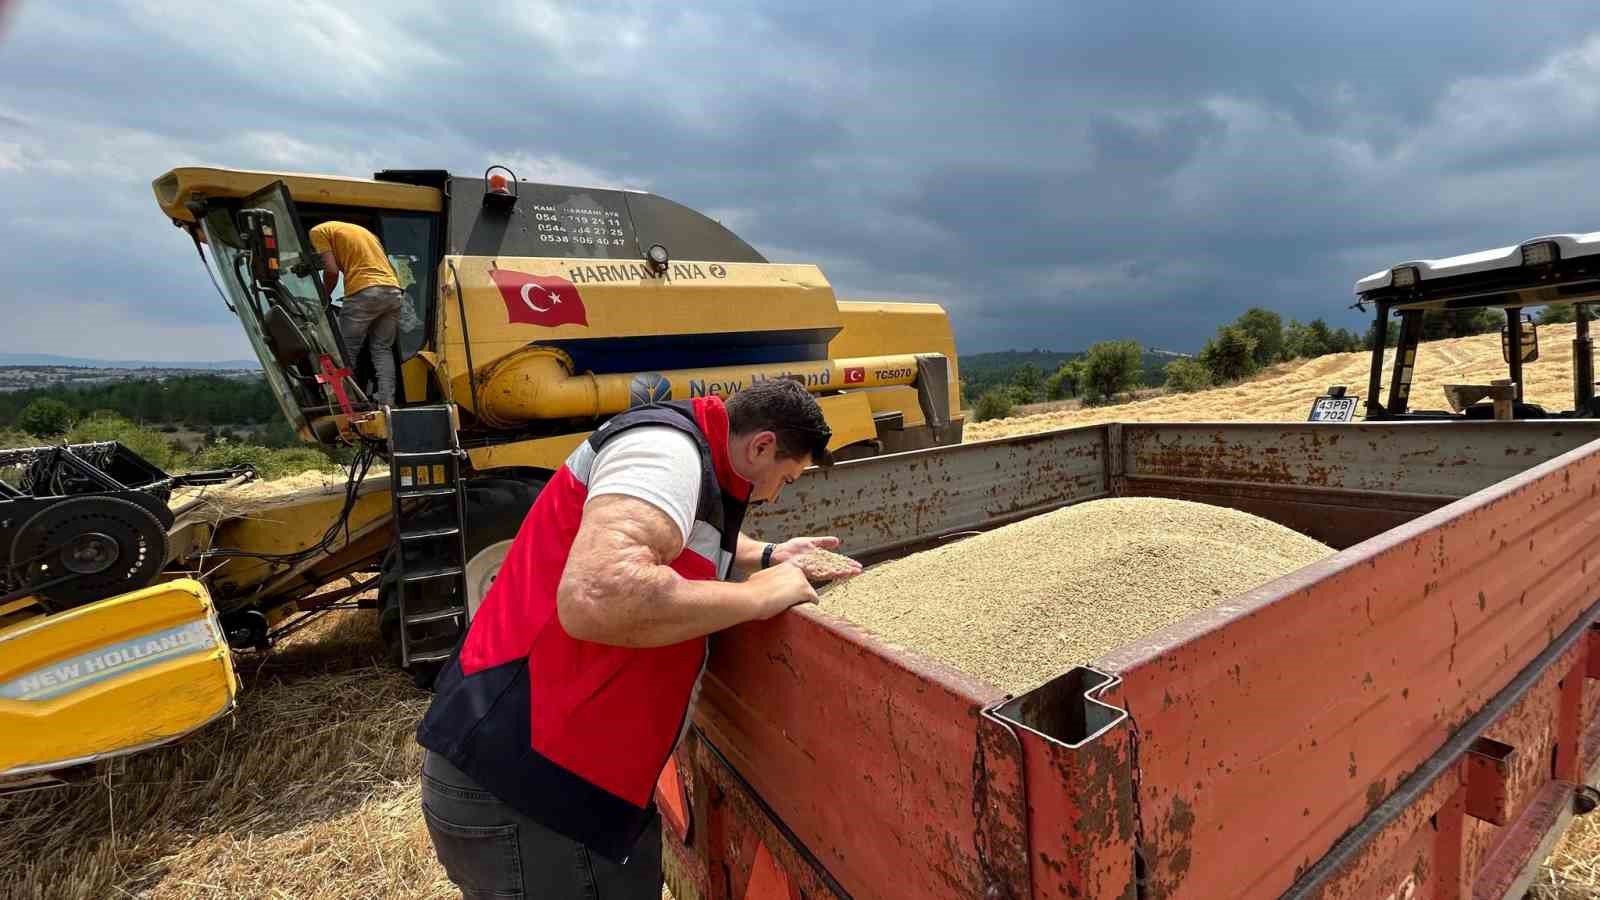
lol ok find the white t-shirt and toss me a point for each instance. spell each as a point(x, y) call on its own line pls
point(655, 463)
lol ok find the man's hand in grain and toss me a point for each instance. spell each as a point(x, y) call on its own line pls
point(814, 556)
point(800, 546)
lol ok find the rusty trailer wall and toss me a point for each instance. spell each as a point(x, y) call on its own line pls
point(890, 505)
point(1340, 484)
point(1367, 477)
point(1254, 737)
point(1275, 724)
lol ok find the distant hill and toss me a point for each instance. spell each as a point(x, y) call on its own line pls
point(981, 371)
point(48, 359)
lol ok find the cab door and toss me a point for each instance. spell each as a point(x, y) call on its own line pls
point(274, 277)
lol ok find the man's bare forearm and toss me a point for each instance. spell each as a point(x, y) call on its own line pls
point(649, 605)
point(747, 555)
point(618, 588)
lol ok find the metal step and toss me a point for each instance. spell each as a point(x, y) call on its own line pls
point(429, 534)
point(429, 574)
point(436, 615)
point(441, 455)
point(432, 656)
point(408, 493)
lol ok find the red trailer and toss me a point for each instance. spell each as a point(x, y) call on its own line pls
point(1414, 717)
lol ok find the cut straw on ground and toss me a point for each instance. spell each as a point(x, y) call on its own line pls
point(309, 790)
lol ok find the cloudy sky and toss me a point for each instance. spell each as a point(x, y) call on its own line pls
point(1054, 173)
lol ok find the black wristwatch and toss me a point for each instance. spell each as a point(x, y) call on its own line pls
point(766, 555)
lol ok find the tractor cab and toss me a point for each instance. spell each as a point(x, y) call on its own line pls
point(1560, 270)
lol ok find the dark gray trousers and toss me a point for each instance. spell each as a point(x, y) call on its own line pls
point(373, 314)
point(492, 851)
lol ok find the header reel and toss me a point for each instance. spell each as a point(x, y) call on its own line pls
point(82, 522)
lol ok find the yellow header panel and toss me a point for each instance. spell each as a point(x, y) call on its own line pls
point(876, 328)
point(179, 186)
point(112, 677)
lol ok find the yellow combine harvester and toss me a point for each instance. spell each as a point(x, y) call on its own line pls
point(539, 310)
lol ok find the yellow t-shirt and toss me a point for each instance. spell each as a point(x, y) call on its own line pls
point(358, 253)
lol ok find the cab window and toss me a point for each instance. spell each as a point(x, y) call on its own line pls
point(410, 242)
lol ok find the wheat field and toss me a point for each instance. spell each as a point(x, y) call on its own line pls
point(1284, 392)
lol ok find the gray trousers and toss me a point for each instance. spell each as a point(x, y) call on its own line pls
point(374, 314)
point(492, 851)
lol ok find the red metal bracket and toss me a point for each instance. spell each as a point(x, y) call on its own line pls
point(1489, 765)
point(1000, 806)
point(672, 800)
point(334, 377)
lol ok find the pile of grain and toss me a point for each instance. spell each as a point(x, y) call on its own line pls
point(1020, 604)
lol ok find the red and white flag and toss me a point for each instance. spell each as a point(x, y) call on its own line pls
point(546, 300)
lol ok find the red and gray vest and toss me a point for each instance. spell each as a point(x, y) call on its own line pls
point(570, 733)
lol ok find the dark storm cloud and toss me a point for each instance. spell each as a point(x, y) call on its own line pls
point(1053, 173)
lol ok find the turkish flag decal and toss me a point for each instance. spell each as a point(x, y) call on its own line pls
point(540, 299)
point(855, 375)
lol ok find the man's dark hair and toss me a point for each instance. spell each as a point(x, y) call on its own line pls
point(785, 408)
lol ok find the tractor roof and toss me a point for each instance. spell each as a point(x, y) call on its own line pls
point(1552, 268)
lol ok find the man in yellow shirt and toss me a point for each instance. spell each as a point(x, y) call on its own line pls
point(372, 295)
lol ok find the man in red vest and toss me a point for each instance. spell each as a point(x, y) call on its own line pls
point(577, 675)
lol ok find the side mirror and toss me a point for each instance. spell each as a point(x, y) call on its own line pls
point(1530, 341)
point(259, 229)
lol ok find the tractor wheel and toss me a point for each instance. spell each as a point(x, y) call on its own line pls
point(495, 508)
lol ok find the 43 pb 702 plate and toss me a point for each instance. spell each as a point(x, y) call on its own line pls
point(1333, 409)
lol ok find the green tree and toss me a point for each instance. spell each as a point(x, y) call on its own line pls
point(1300, 342)
point(1438, 324)
point(1230, 356)
point(1566, 312)
point(1186, 375)
point(1313, 339)
point(1110, 368)
point(1391, 334)
point(994, 404)
point(1346, 341)
point(108, 426)
point(1266, 327)
point(1066, 381)
point(1028, 383)
point(46, 417)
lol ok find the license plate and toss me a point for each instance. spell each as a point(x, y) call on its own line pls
point(1333, 409)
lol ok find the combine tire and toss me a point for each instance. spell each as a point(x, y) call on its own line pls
point(495, 508)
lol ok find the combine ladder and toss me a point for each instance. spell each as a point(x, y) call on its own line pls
point(425, 474)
